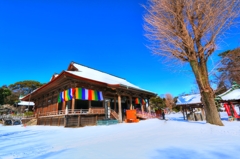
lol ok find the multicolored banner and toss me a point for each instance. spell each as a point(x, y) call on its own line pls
point(81, 93)
point(88, 94)
point(95, 95)
point(61, 97)
point(66, 95)
point(140, 101)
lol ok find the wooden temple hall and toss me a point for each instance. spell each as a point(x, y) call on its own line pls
point(81, 95)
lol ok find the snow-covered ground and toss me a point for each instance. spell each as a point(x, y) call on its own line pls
point(149, 139)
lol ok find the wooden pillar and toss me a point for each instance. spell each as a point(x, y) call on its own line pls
point(37, 113)
point(119, 108)
point(79, 120)
point(142, 108)
point(50, 121)
point(203, 114)
point(103, 104)
point(57, 107)
point(73, 104)
point(63, 105)
point(59, 121)
point(130, 100)
point(115, 105)
point(149, 108)
point(186, 112)
point(89, 104)
point(65, 120)
point(183, 112)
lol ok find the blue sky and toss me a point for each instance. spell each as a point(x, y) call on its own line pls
point(40, 38)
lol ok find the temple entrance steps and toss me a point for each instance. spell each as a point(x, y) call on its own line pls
point(31, 122)
point(114, 114)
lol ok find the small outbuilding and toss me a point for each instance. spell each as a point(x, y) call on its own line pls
point(190, 105)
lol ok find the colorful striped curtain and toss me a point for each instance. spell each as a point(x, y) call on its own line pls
point(60, 97)
point(81, 93)
point(140, 101)
point(88, 94)
point(66, 95)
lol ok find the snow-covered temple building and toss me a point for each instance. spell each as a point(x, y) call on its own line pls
point(231, 95)
point(85, 95)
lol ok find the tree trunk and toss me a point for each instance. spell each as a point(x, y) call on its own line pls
point(207, 94)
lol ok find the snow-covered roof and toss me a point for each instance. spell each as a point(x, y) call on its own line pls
point(189, 99)
point(231, 94)
point(100, 76)
point(26, 103)
point(54, 76)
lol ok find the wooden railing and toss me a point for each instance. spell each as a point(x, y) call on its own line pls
point(146, 115)
point(114, 114)
point(74, 111)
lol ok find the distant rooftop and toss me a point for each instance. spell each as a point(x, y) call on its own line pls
point(189, 99)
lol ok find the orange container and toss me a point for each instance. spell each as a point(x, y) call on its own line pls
point(131, 116)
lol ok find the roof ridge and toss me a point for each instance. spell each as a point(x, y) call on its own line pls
point(98, 70)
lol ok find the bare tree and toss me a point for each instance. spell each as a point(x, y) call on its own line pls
point(230, 68)
point(169, 101)
point(187, 31)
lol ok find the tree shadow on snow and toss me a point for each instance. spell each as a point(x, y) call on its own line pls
point(52, 154)
point(224, 118)
point(178, 153)
point(181, 119)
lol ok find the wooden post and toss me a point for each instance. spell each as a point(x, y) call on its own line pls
point(73, 104)
point(186, 112)
point(89, 104)
point(57, 107)
point(183, 112)
point(115, 105)
point(51, 121)
point(149, 108)
point(130, 100)
point(203, 114)
point(63, 105)
point(119, 108)
point(79, 120)
point(59, 121)
point(103, 104)
point(65, 121)
point(142, 108)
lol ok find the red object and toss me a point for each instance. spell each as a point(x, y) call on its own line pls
point(158, 113)
point(227, 108)
point(131, 116)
